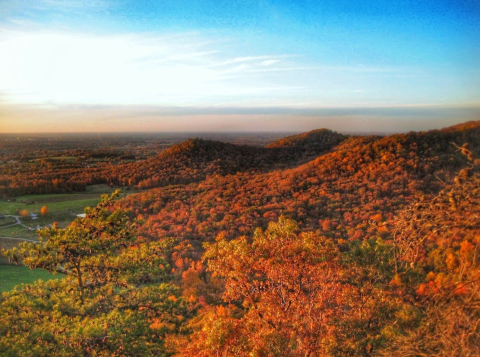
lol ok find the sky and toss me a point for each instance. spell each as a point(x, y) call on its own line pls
point(215, 65)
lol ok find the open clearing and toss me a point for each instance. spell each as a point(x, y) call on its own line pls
point(63, 209)
point(12, 275)
point(74, 202)
point(7, 221)
point(55, 202)
point(18, 231)
point(7, 244)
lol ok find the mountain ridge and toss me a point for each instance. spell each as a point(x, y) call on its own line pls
point(195, 159)
point(380, 175)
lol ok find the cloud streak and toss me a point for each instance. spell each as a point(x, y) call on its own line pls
point(131, 69)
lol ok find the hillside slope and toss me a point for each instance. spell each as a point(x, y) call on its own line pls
point(195, 159)
point(340, 193)
point(187, 162)
point(310, 143)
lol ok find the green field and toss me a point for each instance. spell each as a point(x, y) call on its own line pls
point(62, 210)
point(75, 202)
point(7, 221)
point(8, 243)
point(17, 231)
point(12, 275)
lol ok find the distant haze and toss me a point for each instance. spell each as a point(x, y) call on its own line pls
point(112, 119)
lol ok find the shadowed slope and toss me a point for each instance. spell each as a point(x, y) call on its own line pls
point(195, 159)
point(361, 180)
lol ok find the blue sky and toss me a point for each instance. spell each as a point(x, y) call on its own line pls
point(224, 65)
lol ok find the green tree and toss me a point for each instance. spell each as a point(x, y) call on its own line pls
point(113, 301)
point(370, 298)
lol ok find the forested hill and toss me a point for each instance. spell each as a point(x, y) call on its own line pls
point(353, 206)
point(190, 161)
point(312, 142)
point(363, 179)
point(195, 159)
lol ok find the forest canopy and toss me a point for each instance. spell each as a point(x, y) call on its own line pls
point(350, 246)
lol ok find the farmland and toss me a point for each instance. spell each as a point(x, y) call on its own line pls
point(62, 209)
point(74, 202)
point(12, 275)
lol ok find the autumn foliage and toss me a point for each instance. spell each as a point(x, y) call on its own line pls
point(317, 245)
point(439, 240)
point(113, 300)
point(44, 210)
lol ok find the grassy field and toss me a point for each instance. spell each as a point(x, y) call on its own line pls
point(7, 221)
point(17, 231)
point(12, 275)
point(75, 202)
point(8, 243)
point(55, 202)
point(62, 210)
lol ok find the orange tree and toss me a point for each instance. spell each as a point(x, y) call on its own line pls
point(44, 210)
point(290, 294)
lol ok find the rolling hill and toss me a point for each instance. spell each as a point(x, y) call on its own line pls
point(340, 192)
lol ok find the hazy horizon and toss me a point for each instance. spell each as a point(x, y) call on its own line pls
point(257, 66)
point(216, 132)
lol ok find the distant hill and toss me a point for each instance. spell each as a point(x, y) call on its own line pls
point(195, 159)
point(312, 142)
point(192, 161)
point(339, 193)
point(462, 126)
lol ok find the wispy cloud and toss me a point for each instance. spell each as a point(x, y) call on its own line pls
point(257, 59)
point(127, 69)
point(280, 69)
point(269, 62)
point(183, 69)
point(361, 69)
